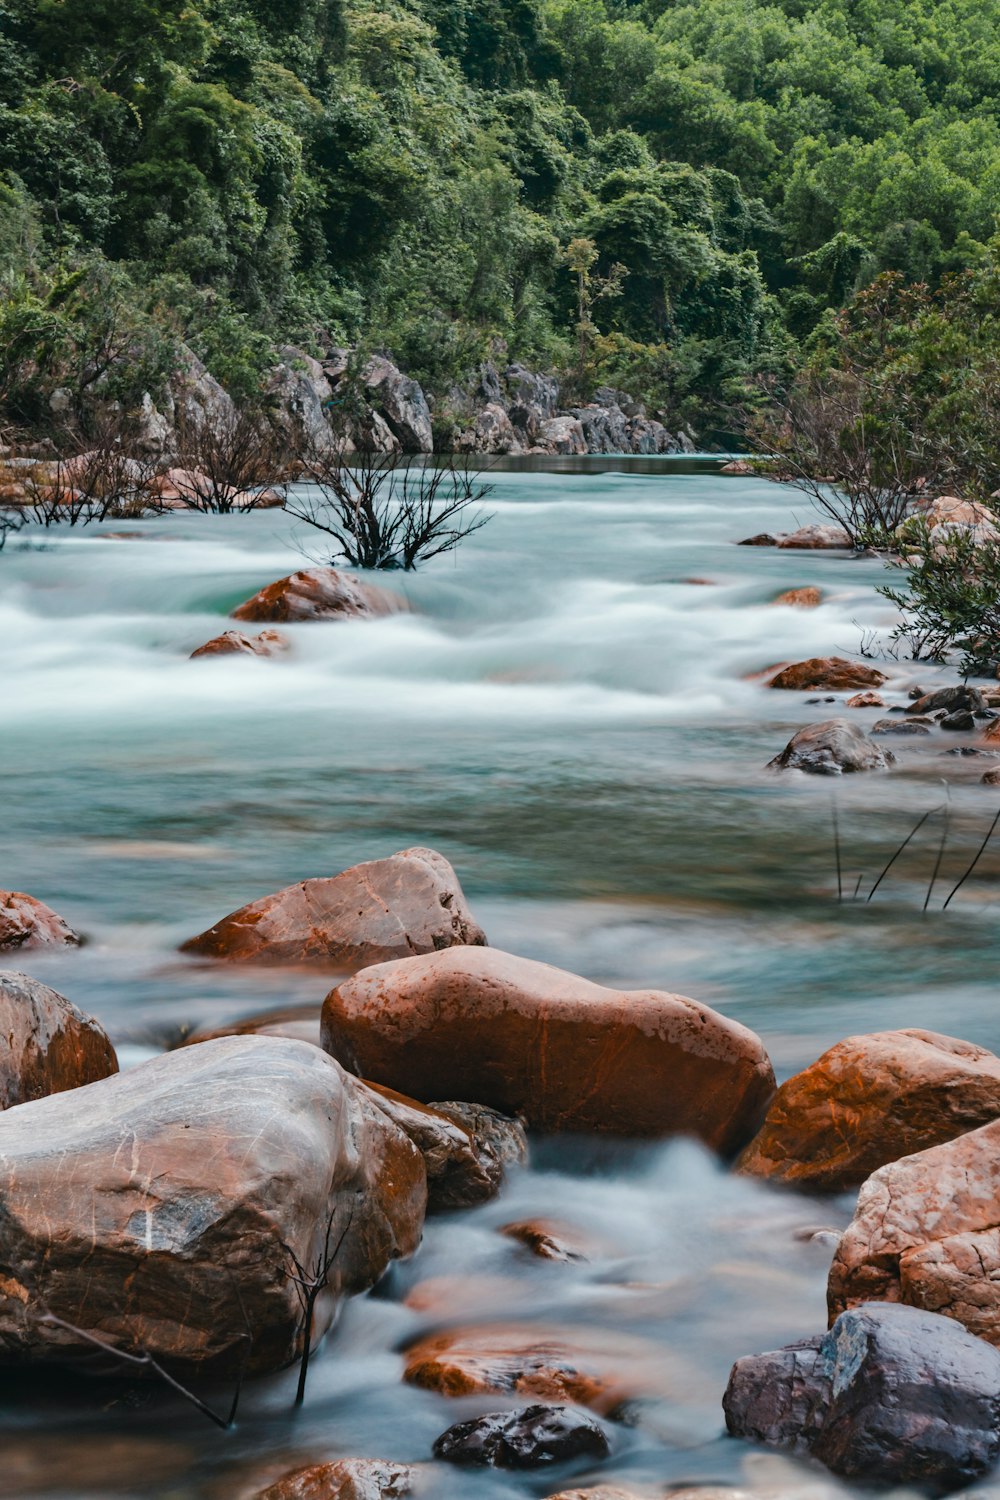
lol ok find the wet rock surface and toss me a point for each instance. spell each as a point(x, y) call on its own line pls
point(26, 922)
point(159, 1209)
point(459, 1174)
point(318, 594)
point(817, 538)
point(235, 643)
point(563, 1053)
point(835, 747)
point(409, 903)
point(871, 1100)
point(523, 1439)
point(890, 1395)
point(344, 1479)
point(49, 1045)
point(830, 674)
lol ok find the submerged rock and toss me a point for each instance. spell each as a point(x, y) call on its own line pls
point(387, 908)
point(318, 594)
point(26, 922)
point(235, 643)
point(890, 1395)
point(159, 1209)
point(345, 1479)
point(870, 1100)
point(804, 598)
point(562, 1052)
point(817, 538)
point(902, 726)
point(866, 700)
point(49, 1045)
point(828, 674)
point(523, 1439)
point(833, 748)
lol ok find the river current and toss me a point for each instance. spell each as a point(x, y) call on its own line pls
point(569, 713)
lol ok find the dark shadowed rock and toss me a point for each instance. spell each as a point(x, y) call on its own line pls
point(962, 719)
point(409, 903)
point(346, 1479)
point(523, 1439)
point(902, 726)
point(458, 1176)
point(870, 1100)
point(833, 748)
point(26, 922)
point(235, 643)
point(401, 403)
point(556, 1049)
point(890, 1395)
point(951, 698)
point(48, 1045)
point(760, 539)
point(318, 594)
point(159, 1209)
point(827, 674)
point(500, 1142)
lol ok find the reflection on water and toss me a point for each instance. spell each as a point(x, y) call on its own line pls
point(569, 720)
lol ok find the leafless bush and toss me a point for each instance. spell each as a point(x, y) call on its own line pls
point(310, 1282)
point(232, 462)
point(110, 480)
point(10, 522)
point(383, 513)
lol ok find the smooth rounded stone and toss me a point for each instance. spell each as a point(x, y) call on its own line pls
point(831, 674)
point(235, 643)
point(817, 538)
point(458, 1176)
point(804, 598)
point(26, 922)
point(384, 909)
point(961, 696)
point(870, 1100)
point(318, 594)
point(159, 1209)
point(298, 1022)
point(835, 747)
point(345, 1479)
point(890, 1395)
point(49, 1045)
point(961, 720)
point(901, 726)
point(559, 1051)
point(866, 700)
point(926, 1231)
point(523, 1439)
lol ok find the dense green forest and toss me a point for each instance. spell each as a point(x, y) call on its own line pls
point(409, 176)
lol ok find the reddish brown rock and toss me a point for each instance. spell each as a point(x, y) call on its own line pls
point(866, 700)
point(804, 598)
point(817, 538)
point(318, 594)
point(409, 903)
point(459, 1175)
point(827, 674)
point(160, 1209)
point(834, 747)
point(870, 1100)
point(235, 643)
point(562, 1052)
point(49, 1045)
point(926, 1231)
point(28, 923)
point(346, 1479)
point(550, 1239)
point(991, 734)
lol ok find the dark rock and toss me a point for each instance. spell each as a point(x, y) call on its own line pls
point(26, 922)
point(499, 1141)
point(991, 778)
point(950, 699)
point(523, 1439)
point(762, 539)
point(962, 720)
point(457, 1175)
point(901, 726)
point(605, 428)
point(317, 594)
point(834, 748)
point(890, 1395)
point(48, 1045)
point(301, 395)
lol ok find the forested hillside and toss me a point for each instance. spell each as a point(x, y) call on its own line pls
point(410, 177)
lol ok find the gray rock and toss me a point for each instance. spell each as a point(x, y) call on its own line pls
point(561, 435)
point(605, 428)
point(523, 1439)
point(961, 719)
point(833, 748)
point(491, 432)
point(302, 394)
point(901, 726)
point(401, 403)
point(530, 393)
point(891, 1395)
point(194, 399)
point(961, 696)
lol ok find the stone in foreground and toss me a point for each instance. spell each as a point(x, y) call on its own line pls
point(833, 748)
point(870, 1100)
point(388, 908)
point(890, 1395)
point(49, 1045)
point(26, 922)
point(827, 674)
point(346, 1479)
point(523, 1439)
point(926, 1231)
point(563, 1053)
point(159, 1209)
point(317, 594)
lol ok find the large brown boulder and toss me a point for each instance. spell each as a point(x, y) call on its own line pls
point(49, 1045)
point(26, 922)
point(827, 674)
point(388, 908)
point(870, 1100)
point(926, 1231)
point(834, 747)
point(317, 594)
point(562, 1052)
point(164, 1209)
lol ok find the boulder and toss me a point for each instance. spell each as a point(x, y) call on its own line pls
point(605, 428)
point(926, 1231)
point(401, 403)
point(561, 435)
point(953, 699)
point(194, 400)
point(804, 598)
point(950, 516)
point(648, 436)
point(346, 1479)
point(562, 1052)
point(833, 748)
point(235, 643)
point(49, 1045)
point(160, 1209)
point(301, 396)
point(817, 538)
point(532, 400)
point(523, 1439)
point(387, 908)
point(961, 720)
point(317, 594)
point(491, 432)
point(760, 539)
point(739, 468)
point(866, 700)
point(26, 922)
point(890, 1395)
point(902, 726)
point(458, 1175)
point(870, 1100)
point(499, 1141)
point(827, 674)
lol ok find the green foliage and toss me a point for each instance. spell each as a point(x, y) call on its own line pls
point(949, 597)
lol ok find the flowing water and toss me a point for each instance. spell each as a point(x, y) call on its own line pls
point(569, 714)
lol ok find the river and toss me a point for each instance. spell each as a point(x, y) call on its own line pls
point(567, 713)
